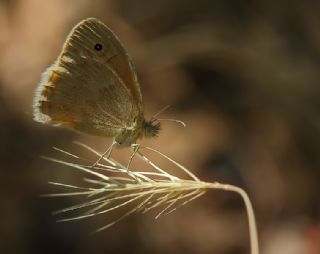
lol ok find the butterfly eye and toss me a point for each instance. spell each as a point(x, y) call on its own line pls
point(98, 47)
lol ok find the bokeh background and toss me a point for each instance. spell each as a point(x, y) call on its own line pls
point(244, 76)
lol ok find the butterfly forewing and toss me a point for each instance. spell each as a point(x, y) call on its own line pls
point(92, 87)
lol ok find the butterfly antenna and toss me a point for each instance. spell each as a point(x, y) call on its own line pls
point(183, 124)
point(154, 117)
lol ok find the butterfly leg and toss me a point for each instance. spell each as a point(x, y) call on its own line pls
point(135, 150)
point(106, 154)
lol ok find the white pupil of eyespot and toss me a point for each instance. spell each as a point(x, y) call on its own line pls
point(98, 47)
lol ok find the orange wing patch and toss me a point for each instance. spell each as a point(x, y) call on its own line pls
point(48, 91)
point(56, 115)
point(54, 76)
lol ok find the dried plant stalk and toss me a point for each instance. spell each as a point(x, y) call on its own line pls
point(147, 190)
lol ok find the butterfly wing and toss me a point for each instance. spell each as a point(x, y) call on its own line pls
point(92, 87)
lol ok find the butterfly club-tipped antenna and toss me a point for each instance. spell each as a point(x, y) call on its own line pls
point(154, 117)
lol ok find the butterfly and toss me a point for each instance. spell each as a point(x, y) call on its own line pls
point(93, 88)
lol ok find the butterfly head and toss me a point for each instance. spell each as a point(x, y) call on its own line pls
point(129, 136)
point(150, 128)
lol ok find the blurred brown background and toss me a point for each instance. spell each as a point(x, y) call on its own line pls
point(243, 75)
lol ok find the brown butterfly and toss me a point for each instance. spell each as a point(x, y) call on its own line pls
point(93, 88)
